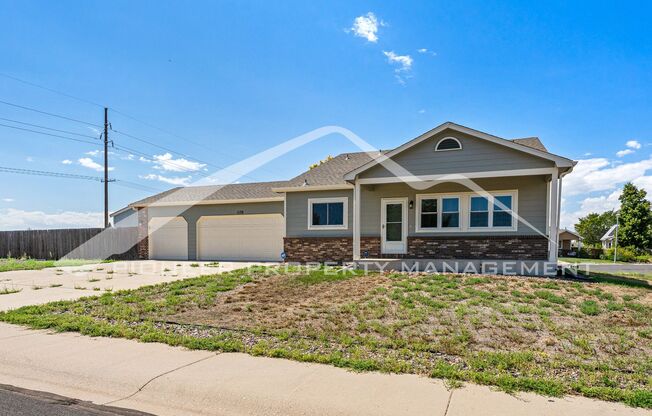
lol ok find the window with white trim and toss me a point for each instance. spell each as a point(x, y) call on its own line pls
point(448, 143)
point(429, 214)
point(502, 211)
point(450, 212)
point(328, 213)
point(479, 212)
point(466, 211)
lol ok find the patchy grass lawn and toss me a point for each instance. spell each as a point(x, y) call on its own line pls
point(552, 337)
point(585, 260)
point(10, 264)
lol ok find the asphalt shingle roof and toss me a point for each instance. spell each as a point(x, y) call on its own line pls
point(330, 172)
point(532, 142)
point(257, 190)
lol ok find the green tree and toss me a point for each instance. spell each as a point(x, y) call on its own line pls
point(635, 218)
point(593, 226)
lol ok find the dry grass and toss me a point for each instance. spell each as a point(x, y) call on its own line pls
point(549, 336)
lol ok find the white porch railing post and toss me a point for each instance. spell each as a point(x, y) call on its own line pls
point(554, 217)
point(356, 221)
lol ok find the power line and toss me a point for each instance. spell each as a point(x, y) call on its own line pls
point(48, 134)
point(48, 128)
point(165, 162)
point(48, 113)
point(50, 89)
point(46, 173)
point(63, 175)
point(178, 153)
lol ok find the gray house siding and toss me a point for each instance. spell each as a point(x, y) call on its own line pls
point(477, 155)
point(128, 218)
point(297, 214)
point(193, 213)
point(532, 191)
point(531, 204)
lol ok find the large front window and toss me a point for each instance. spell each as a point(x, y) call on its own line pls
point(327, 213)
point(466, 211)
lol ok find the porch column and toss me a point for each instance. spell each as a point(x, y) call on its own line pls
point(356, 221)
point(554, 217)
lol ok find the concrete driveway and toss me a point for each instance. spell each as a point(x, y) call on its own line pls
point(65, 283)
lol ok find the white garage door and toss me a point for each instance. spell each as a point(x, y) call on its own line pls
point(168, 238)
point(240, 237)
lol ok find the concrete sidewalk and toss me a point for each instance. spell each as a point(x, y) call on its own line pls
point(164, 380)
point(73, 282)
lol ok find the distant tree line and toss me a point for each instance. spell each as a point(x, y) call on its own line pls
point(634, 219)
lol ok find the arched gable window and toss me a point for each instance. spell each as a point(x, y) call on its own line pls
point(448, 143)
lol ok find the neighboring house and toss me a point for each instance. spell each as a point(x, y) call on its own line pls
point(126, 217)
point(359, 206)
point(568, 239)
point(609, 237)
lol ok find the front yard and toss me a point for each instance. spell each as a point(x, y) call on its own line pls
point(553, 337)
point(10, 264)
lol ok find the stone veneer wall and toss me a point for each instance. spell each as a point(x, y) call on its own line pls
point(143, 239)
point(338, 249)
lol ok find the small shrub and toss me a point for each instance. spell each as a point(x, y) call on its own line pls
point(626, 254)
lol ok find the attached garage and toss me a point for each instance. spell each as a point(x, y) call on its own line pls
point(168, 238)
point(240, 237)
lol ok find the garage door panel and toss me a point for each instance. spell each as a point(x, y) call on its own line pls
point(168, 238)
point(240, 237)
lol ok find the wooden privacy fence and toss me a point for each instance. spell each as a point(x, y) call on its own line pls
point(78, 243)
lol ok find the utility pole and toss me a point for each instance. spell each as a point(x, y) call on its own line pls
point(106, 167)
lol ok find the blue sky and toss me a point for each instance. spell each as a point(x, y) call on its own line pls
point(221, 81)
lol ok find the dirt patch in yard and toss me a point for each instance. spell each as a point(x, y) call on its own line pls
point(280, 302)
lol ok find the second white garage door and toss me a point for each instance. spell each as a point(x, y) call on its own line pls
point(168, 238)
point(240, 237)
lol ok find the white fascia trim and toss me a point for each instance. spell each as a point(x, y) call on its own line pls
point(458, 176)
point(313, 188)
point(120, 211)
point(559, 160)
point(345, 213)
point(211, 202)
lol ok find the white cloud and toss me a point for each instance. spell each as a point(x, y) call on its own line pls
point(8, 199)
point(422, 111)
point(599, 174)
point(426, 51)
point(588, 205)
point(16, 219)
point(67, 162)
point(625, 152)
point(633, 144)
point(94, 153)
point(168, 163)
point(29, 159)
point(404, 61)
point(144, 160)
point(89, 163)
point(183, 181)
point(366, 26)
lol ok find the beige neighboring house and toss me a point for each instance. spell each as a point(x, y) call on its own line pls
point(352, 207)
point(569, 240)
point(609, 237)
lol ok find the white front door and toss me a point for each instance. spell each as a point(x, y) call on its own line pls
point(393, 225)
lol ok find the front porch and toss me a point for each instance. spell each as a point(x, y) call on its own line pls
point(474, 217)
